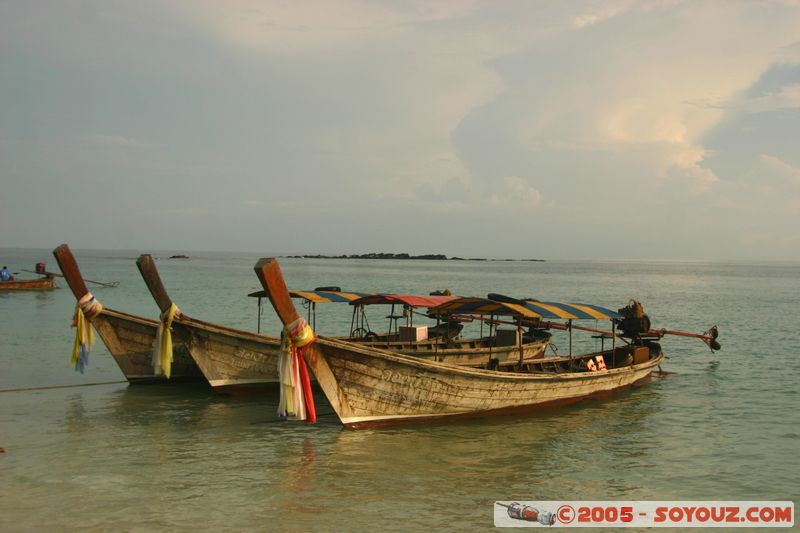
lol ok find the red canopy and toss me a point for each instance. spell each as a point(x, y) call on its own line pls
point(410, 300)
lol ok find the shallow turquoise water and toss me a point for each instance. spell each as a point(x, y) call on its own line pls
point(722, 426)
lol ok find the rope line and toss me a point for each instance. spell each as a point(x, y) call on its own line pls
point(28, 389)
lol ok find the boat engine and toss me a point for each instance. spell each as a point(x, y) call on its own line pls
point(634, 321)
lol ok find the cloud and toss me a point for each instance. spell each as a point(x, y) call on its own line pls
point(452, 193)
point(296, 28)
point(785, 98)
point(586, 20)
point(757, 137)
point(515, 192)
point(782, 169)
point(636, 94)
point(601, 14)
point(181, 212)
point(307, 115)
point(115, 140)
point(687, 162)
point(638, 121)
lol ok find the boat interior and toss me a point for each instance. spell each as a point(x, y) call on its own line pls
point(617, 357)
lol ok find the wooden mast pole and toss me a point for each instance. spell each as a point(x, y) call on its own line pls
point(69, 267)
point(147, 268)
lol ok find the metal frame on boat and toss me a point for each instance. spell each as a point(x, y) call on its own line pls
point(444, 345)
point(368, 387)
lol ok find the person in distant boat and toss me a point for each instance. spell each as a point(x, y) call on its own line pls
point(5, 275)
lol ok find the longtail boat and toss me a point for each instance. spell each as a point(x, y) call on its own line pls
point(129, 338)
point(41, 284)
point(370, 387)
point(233, 361)
point(441, 342)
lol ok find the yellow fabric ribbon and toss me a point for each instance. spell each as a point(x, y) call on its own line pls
point(162, 352)
point(87, 308)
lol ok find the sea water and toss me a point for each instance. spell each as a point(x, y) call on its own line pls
point(101, 455)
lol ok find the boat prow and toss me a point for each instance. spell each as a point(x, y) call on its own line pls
point(129, 338)
point(233, 361)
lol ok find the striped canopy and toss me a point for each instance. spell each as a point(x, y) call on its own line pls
point(571, 311)
point(320, 296)
point(524, 309)
point(328, 296)
point(411, 300)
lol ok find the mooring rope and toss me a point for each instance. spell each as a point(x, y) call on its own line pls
point(29, 389)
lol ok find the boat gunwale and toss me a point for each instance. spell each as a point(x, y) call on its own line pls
point(122, 314)
point(482, 341)
point(443, 367)
point(191, 322)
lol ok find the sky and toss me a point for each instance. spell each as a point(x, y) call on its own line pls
point(618, 129)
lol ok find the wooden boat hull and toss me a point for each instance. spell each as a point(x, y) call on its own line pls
point(240, 362)
point(41, 284)
point(369, 388)
point(131, 338)
point(233, 361)
point(466, 352)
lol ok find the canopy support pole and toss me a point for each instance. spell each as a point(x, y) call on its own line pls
point(436, 340)
point(491, 340)
point(258, 329)
point(614, 343)
point(570, 342)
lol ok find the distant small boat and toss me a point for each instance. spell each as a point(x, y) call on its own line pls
point(129, 338)
point(41, 284)
point(370, 387)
